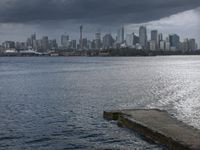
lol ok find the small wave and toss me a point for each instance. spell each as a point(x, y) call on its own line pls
point(9, 138)
point(90, 136)
point(39, 140)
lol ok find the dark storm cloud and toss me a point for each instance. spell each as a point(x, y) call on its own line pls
point(91, 11)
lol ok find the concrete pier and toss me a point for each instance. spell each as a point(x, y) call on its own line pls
point(159, 127)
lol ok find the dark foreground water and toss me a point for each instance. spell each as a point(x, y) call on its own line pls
point(57, 103)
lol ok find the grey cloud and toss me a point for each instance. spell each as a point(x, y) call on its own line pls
point(91, 11)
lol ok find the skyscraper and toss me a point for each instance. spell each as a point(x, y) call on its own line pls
point(45, 43)
point(174, 40)
point(33, 40)
point(130, 40)
point(53, 44)
point(160, 40)
point(185, 45)
point(143, 37)
point(152, 45)
point(65, 40)
point(192, 44)
point(160, 36)
point(73, 43)
point(167, 44)
point(81, 37)
point(84, 43)
point(162, 45)
point(120, 35)
point(108, 41)
point(98, 40)
point(154, 38)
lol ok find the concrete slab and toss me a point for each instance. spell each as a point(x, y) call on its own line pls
point(158, 126)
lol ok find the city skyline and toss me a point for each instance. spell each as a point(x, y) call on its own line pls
point(143, 40)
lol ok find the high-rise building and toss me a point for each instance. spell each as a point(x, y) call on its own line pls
point(20, 46)
point(120, 35)
point(98, 40)
point(143, 37)
point(73, 44)
point(174, 40)
point(33, 39)
point(162, 45)
point(84, 43)
point(81, 38)
point(35, 46)
point(192, 44)
point(130, 40)
point(9, 45)
point(196, 46)
point(65, 40)
point(92, 46)
point(29, 42)
point(108, 41)
point(160, 38)
point(167, 44)
point(53, 44)
point(152, 45)
point(154, 38)
point(185, 45)
point(136, 40)
point(45, 43)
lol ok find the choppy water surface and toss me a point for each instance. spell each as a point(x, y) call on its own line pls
point(57, 103)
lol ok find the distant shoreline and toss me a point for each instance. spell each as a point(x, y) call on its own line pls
point(103, 53)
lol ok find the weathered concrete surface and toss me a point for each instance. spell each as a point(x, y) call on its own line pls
point(158, 126)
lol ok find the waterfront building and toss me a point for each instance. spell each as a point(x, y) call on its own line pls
point(192, 44)
point(162, 45)
point(196, 46)
point(98, 41)
point(143, 37)
point(185, 45)
point(136, 40)
point(65, 41)
point(20, 46)
point(154, 38)
point(45, 43)
point(160, 38)
point(130, 40)
point(120, 35)
point(174, 40)
point(152, 44)
point(81, 38)
point(108, 41)
point(29, 42)
point(73, 44)
point(9, 45)
point(93, 44)
point(84, 44)
point(53, 44)
point(33, 39)
point(167, 46)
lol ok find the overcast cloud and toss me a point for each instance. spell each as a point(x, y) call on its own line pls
point(101, 11)
point(19, 18)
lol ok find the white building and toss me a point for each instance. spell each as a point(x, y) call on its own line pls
point(152, 45)
point(162, 45)
point(130, 40)
point(167, 46)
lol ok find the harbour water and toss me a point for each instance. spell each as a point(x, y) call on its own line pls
point(56, 103)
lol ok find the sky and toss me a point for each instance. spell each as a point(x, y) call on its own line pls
point(20, 18)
